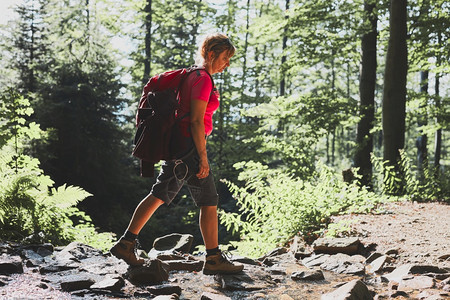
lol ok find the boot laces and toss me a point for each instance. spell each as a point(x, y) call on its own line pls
point(226, 256)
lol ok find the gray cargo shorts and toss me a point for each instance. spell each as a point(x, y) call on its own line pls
point(175, 173)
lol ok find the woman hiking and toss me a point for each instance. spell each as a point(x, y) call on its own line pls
point(198, 100)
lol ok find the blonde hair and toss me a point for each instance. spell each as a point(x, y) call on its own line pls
point(217, 43)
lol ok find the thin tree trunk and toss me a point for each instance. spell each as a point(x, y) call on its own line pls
point(283, 58)
point(364, 138)
point(438, 134)
point(148, 41)
point(422, 153)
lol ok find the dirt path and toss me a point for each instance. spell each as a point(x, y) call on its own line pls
point(419, 231)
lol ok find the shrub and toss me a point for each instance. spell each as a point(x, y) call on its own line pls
point(274, 206)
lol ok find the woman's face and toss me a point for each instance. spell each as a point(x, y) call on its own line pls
point(220, 63)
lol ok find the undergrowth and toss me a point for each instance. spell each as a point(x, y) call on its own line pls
point(274, 206)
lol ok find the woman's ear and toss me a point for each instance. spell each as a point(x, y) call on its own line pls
point(210, 55)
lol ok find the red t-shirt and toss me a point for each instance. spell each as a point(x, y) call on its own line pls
point(198, 86)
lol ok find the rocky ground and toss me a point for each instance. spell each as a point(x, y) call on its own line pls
point(401, 253)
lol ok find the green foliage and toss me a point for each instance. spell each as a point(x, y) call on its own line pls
point(420, 185)
point(274, 206)
point(31, 208)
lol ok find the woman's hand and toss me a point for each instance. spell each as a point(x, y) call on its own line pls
point(203, 168)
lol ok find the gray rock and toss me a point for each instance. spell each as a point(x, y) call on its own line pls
point(372, 257)
point(275, 252)
point(350, 245)
point(114, 284)
point(76, 282)
point(308, 275)
point(152, 272)
point(212, 296)
point(277, 271)
point(416, 283)
point(254, 278)
point(404, 270)
point(353, 290)
point(315, 260)
point(186, 265)
point(174, 242)
point(164, 289)
point(246, 260)
point(391, 252)
point(56, 267)
point(344, 264)
point(10, 265)
point(78, 251)
point(378, 264)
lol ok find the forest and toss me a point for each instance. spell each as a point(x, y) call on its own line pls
point(328, 107)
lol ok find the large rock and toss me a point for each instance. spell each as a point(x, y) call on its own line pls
point(154, 271)
point(416, 283)
point(10, 264)
point(353, 290)
point(404, 270)
point(350, 245)
point(164, 289)
point(378, 264)
point(185, 265)
point(114, 284)
point(308, 275)
point(254, 278)
point(76, 282)
point(345, 264)
point(212, 296)
point(174, 242)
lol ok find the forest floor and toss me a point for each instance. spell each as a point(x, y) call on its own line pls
point(419, 231)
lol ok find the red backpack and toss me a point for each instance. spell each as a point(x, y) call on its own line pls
point(156, 116)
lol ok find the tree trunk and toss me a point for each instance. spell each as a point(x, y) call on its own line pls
point(364, 138)
point(283, 58)
point(394, 92)
point(438, 134)
point(148, 41)
point(421, 143)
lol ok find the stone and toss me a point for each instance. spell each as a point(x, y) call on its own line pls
point(277, 270)
point(153, 271)
point(114, 284)
point(254, 278)
point(286, 297)
point(444, 257)
point(315, 260)
point(78, 251)
point(212, 296)
point(416, 283)
point(246, 260)
point(186, 265)
point(344, 264)
point(167, 297)
point(391, 252)
point(308, 275)
point(404, 270)
point(275, 252)
point(353, 290)
point(378, 264)
point(372, 257)
point(10, 265)
point(174, 242)
point(76, 282)
point(350, 245)
point(297, 245)
point(164, 289)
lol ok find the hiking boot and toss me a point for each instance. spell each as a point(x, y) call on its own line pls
point(126, 250)
point(220, 264)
